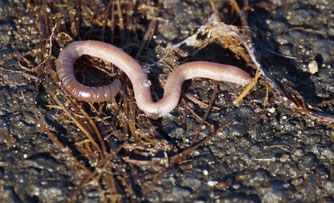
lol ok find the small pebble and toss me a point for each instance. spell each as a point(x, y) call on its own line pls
point(313, 67)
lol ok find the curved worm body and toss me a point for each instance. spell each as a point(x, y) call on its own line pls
point(138, 77)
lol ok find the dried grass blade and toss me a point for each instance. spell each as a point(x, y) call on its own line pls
point(96, 130)
point(77, 123)
point(248, 88)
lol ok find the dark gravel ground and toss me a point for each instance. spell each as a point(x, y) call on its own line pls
point(269, 153)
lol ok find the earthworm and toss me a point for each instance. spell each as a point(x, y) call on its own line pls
point(138, 77)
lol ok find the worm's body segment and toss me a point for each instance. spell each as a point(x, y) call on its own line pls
point(138, 77)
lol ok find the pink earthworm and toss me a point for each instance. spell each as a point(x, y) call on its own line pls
point(138, 76)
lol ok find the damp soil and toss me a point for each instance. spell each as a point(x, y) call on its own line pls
point(269, 152)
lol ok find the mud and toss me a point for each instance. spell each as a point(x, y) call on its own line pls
point(269, 153)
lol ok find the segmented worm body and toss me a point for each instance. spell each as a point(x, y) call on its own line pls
point(138, 76)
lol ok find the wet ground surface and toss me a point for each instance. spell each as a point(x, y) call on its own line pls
point(269, 153)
